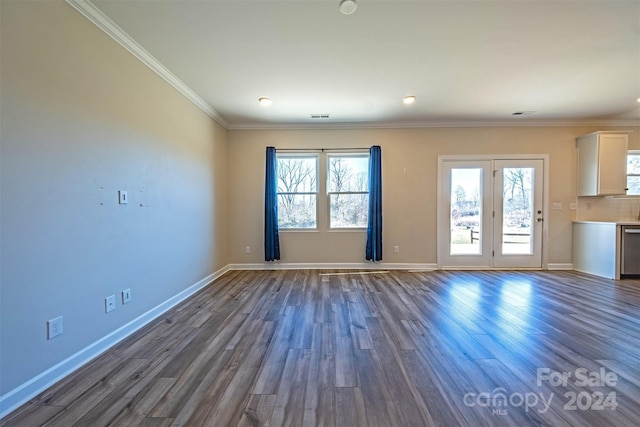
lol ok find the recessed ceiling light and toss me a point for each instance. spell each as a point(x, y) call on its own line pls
point(348, 6)
point(264, 101)
point(409, 99)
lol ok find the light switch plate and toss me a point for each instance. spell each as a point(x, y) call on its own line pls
point(123, 199)
point(126, 296)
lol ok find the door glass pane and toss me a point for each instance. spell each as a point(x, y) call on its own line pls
point(466, 211)
point(517, 211)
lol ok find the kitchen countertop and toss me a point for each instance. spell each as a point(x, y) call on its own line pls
point(629, 222)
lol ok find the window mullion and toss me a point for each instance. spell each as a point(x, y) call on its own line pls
point(322, 201)
point(347, 192)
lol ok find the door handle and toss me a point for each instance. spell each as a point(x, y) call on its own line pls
point(632, 231)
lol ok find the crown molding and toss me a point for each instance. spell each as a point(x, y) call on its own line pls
point(420, 125)
point(100, 20)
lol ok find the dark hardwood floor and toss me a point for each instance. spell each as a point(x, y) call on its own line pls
point(307, 348)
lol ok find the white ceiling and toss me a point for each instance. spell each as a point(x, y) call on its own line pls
point(467, 62)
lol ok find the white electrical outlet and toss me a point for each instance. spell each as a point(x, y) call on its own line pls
point(109, 303)
point(54, 327)
point(247, 249)
point(126, 296)
point(396, 249)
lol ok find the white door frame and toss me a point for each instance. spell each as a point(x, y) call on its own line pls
point(442, 234)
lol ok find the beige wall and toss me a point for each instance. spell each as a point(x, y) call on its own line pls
point(82, 119)
point(409, 158)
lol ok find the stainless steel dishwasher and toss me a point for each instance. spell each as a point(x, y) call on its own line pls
point(630, 249)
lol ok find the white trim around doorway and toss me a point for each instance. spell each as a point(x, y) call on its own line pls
point(442, 234)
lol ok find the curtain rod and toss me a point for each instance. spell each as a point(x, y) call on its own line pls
point(323, 149)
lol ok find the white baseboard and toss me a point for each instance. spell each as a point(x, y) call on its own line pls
point(28, 390)
point(370, 266)
point(550, 267)
point(332, 266)
point(560, 266)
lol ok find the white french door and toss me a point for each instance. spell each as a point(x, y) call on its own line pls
point(517, 203)
point(490, 213)
point(464, 214)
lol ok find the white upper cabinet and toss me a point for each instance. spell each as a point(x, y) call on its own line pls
point(602, 163)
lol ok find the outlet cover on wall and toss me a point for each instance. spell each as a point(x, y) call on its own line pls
point(109, 303)
point(54, 327)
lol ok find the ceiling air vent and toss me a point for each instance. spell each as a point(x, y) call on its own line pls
point(319, 116)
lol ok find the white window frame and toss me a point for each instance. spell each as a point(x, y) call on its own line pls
point(330, 193)
point(301, 155)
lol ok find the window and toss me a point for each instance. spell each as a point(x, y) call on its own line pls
point(297, 191)
point(341, 181)
point(348, 190)
point(633, 172)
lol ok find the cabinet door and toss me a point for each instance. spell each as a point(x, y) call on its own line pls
point(588, 165)
point(612, 164)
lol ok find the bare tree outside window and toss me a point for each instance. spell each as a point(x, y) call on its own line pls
point(633, 172)
point(465, 211)
point(517, 195)
point(348, 189)
point(517, 210)
point(297, 191)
